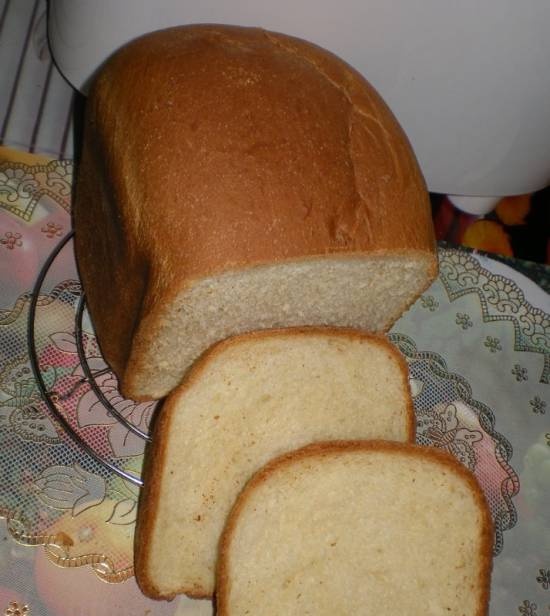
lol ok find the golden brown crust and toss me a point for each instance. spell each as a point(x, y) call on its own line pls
point(155, 455)
point(320, 170)
point(330, 448)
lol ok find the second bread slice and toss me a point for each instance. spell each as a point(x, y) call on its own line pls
point(358, 528)
point(249, 399)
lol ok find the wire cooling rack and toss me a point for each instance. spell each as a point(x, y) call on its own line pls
point(54, 400)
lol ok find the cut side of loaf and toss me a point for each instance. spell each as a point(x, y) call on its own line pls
point(232, 180)
point(249, 399)
point(357, 528)
point(367, 293)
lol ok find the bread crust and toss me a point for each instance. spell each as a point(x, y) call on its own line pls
point(277, 173)
point(330, 448)
point(155, 454)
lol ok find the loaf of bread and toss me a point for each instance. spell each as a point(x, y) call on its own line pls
point(232, 180)
point(357, 528)
point(249, 399)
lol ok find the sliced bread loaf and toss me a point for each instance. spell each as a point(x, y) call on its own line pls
point(232, 180)
point(249, 399)
point(357, 528)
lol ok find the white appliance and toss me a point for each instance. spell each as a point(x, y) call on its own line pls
point(469, 80)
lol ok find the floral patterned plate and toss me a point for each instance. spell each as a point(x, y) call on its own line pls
point(478, 349)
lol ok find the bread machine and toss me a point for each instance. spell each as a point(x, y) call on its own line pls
point(468, 80)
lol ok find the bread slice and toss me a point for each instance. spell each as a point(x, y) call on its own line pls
point(232, 180)
point(357, 528)
point(248, 400)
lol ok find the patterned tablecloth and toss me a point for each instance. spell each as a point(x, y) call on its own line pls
point(478, 348)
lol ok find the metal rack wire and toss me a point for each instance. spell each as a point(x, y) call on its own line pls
point(51, 399)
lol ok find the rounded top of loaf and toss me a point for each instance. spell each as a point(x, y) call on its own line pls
point(222, 119)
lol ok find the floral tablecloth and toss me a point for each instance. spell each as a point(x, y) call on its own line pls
point(478, 348)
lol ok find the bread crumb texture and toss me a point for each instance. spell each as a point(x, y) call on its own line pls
point(361, 529)
point(251, 399)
